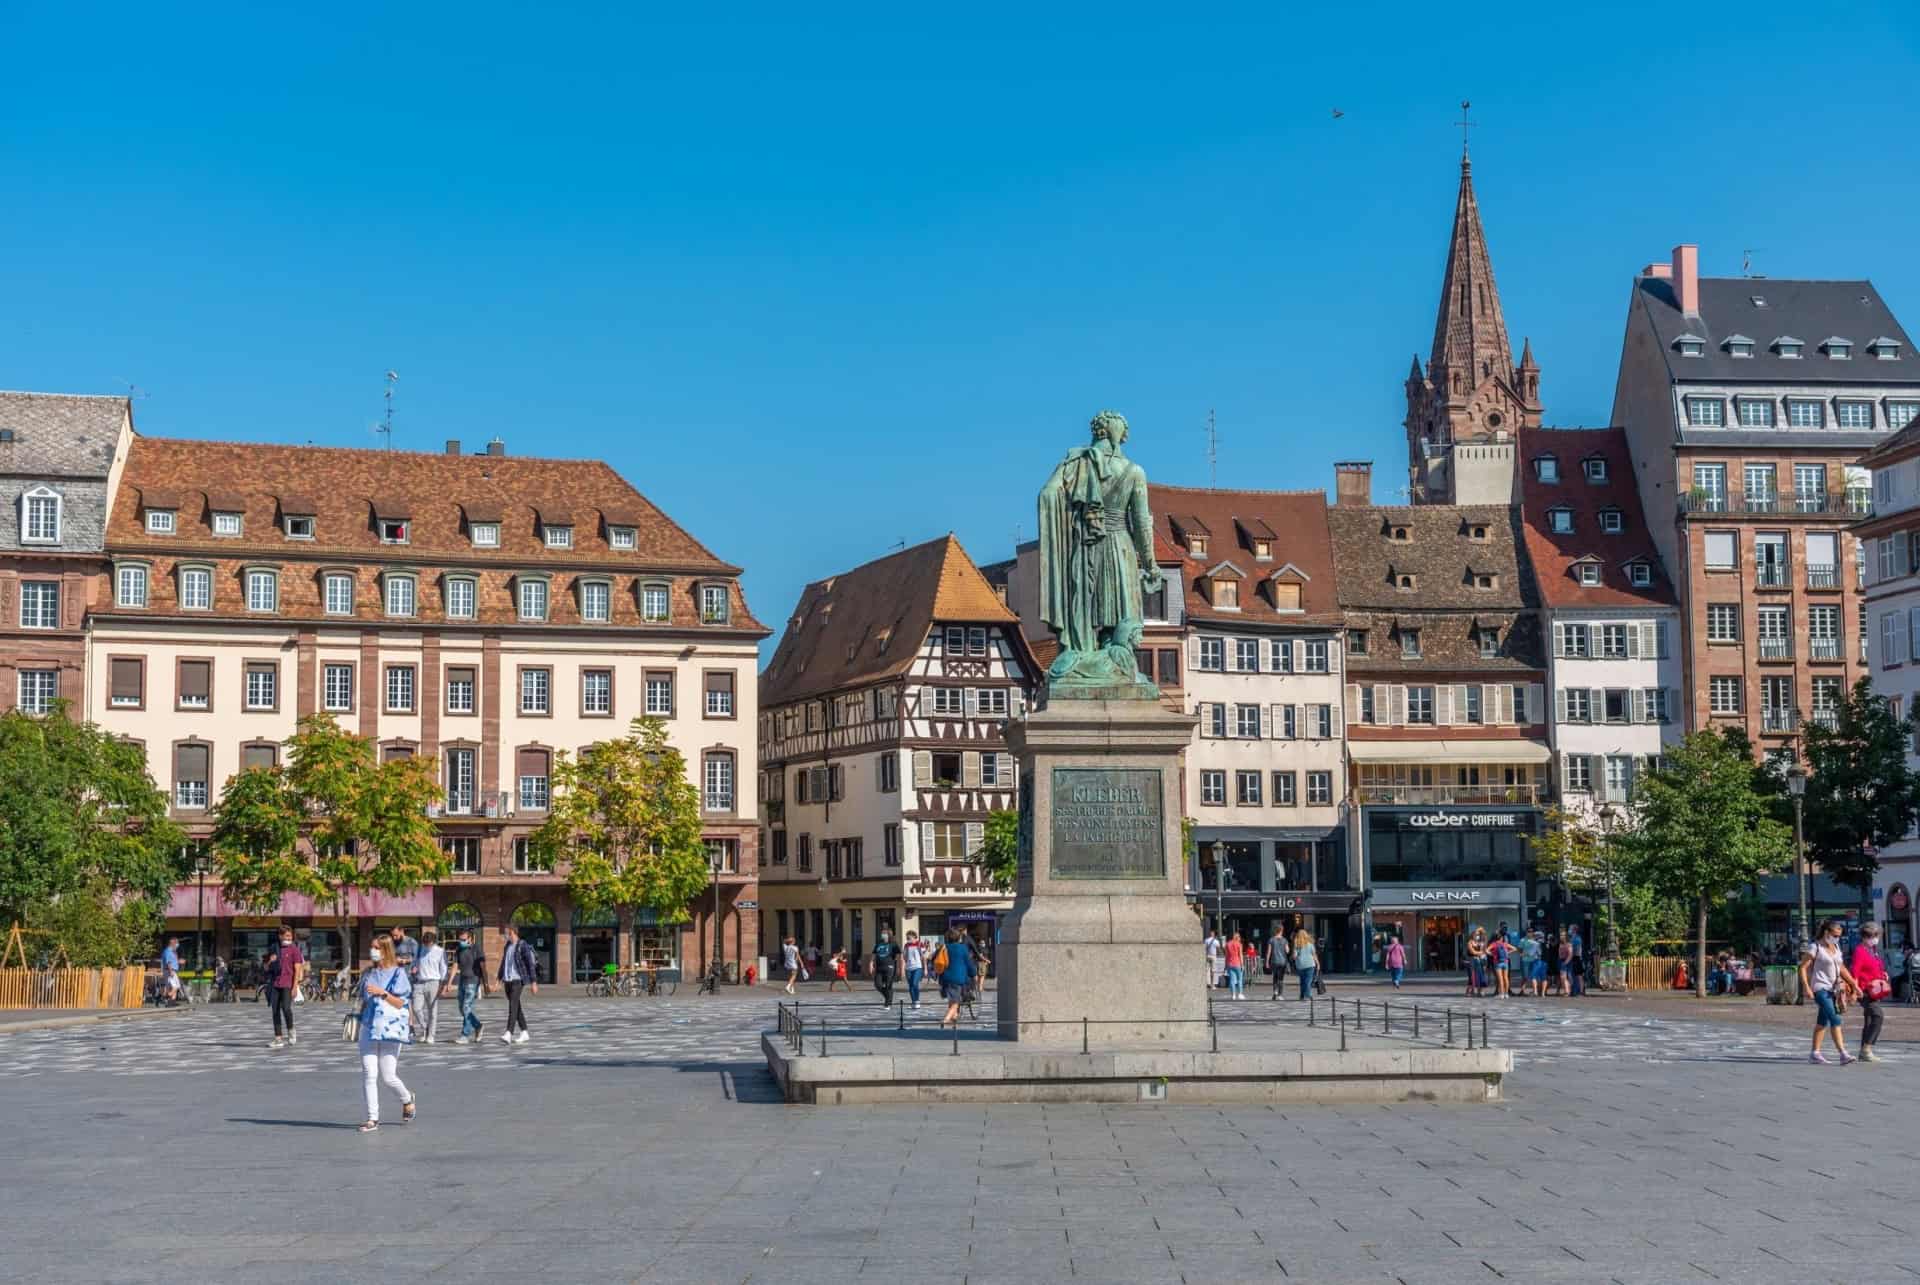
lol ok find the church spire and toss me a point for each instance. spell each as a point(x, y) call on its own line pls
point(1469, 334)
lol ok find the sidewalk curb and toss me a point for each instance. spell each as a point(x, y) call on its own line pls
point(88, 1019)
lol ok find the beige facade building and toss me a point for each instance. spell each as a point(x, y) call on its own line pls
point(485, 611)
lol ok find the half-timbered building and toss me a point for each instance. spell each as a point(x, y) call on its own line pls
point(882, 752)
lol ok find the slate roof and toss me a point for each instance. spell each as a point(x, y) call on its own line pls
point(343, 488)
point(1440, 555)
point(1808, 310)
point(59, 434)
point(1232, 520)
point(1553, 555)
point(1896, 447)
point(868, 624)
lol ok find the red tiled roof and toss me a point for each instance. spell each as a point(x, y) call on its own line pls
point(1553, 554)
point(1229, 518)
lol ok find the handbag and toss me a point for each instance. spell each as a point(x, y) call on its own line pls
point(1878, 988)
point(350, 1028)
point(940, 959)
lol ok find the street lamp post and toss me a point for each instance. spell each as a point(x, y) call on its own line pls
point(1797, 787)
point(1219, 851)
point(1607, 815)
point(200, 912)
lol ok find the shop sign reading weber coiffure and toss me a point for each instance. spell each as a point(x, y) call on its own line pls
point(1463, 821)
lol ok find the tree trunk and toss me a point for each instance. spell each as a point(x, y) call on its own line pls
point(1700, 953)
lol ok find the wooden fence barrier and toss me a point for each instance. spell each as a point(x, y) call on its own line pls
point(72, 987)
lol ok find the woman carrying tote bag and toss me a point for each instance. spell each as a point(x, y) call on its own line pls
point(384, 1027)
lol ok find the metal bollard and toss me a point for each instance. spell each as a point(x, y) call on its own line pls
point(1386, 1017)
point(1449, 1026)
point(1343, 1032)
point(823, 1037)
point(1483, 1030)
point(1213, 1025)
point(903, 1015)
point(1469, 1030)
point(1083, 1029)
point(1416, 1021)
point(1312, 1008)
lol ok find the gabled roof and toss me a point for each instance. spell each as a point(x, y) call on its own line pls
point(1298, 525)
point(59, 435)
point(834, 639)
point(1438, 555)
point(1847, 310)
point(1553, 554)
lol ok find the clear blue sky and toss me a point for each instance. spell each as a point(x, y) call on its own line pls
point(818, 287)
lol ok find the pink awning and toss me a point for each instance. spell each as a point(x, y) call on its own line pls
point(186, 904)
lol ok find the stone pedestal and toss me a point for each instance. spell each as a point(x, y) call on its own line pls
point(1100, 927)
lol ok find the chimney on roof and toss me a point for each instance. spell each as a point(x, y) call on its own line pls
point(453, 446)
point(1686, 278)
point(1353, 483)
point(1658, 271)
point(496, 447)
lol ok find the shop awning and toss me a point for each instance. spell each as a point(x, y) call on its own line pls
point(185, 903)
point(1449, 752)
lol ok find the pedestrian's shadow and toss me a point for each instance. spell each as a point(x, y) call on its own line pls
point(291, 1124)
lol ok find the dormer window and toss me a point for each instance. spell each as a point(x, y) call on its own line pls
point(393, 531)
point(1838, 349)
point(1547, 468)
point(1596, 469)
point(1560, 521)
point(1738, 346)
point(227, 524)
point(1400, 534)
point(1789, 347)
point(1263, 550)
point(1477, 533)
point(620, 537)
point(1690, 346)
point(1885, 349)
point(159, 521)
point(1612, 521)
point(1404, 580)
point(1409, 644)
point(40, 516)
point(1587, 573)
point(297, 528)
point(1485, 580)
point(1639, 575)
point(486, 535)
point(557, 537)
point(1226, 593)
point(1197, 545)
point(1488, 640)
point(713, 604)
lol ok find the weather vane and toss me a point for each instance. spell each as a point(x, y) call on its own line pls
point(1465, 124)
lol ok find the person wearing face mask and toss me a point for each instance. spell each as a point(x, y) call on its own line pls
point(1825, 976)
point(517, 973)
point(285, 967)
point(384, 1027)
point(886, 958)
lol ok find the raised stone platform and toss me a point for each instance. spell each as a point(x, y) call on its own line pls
point(1266, 1064)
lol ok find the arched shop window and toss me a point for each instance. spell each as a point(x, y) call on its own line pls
point(656, 943)
point(455, 916)
point(536, 925)
point(596, 942)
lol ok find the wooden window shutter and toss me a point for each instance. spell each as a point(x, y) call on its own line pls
point(1333, 721)
point(1399, 696)
point(970, 770)
point(1560, 705)
point(976, 837)
point(1633, 642)
point(1656, 641)
point(1443, 705)
point(1536, 703)
point(532, 762)
point(1639, 700)
point(1382, 703)
point(196, 678)
point(190, 763)
point(1490, 703)
point(1505, 693)
point(923, 770)
point(1003, 770)
point(1559, 639)
point(1193, 652)
point(1353, 697)
point(1597, 704)
point(836, 789)
point(126, 680)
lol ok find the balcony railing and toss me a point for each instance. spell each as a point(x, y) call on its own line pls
point(1776, 649)
point(1823, 577)
point(1827, 718)
point(1770, 575)
point(1823, 649)
point(1778, 720)
point(1857, 504)
point(481, 803)
point(1427, 794)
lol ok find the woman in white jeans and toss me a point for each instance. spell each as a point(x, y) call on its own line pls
point(383, 1029)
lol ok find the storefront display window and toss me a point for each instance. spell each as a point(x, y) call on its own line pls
point(596, 937)
point(535, 922)
point(656, 944)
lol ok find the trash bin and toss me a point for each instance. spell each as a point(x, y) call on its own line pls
point(1612, 975)
point(1783, 984)
point(731, 971)
point(199, 991)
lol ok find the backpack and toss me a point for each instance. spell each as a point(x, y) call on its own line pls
point(940, 959)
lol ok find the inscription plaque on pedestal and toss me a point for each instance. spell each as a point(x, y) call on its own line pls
point(1107, 824)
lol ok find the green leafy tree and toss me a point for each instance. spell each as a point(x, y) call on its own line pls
point(625, 821)
point(1701, 830)
point(1583, 859)
point(94, 926)
point(1000, 852)
point(79, 815)
point(365, 821)
point(1860, 793)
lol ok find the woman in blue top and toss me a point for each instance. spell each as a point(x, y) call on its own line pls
point(955, 976)
point(383, 1029)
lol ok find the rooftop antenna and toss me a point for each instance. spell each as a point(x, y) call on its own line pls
point(1213, 453)
point(135, 393)
point(386, 425)
point(1746, 262)
point(1465, 123)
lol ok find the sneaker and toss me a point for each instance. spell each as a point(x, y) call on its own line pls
point(1816, 1057)
point(507, 1038)
point(278, 1043)
point(370, 1126)
point(428, 1040)
point(1868, 1055)
point(292, 1038)
point(463, 1040)
point(522, 1038)
point(1847, 1059)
